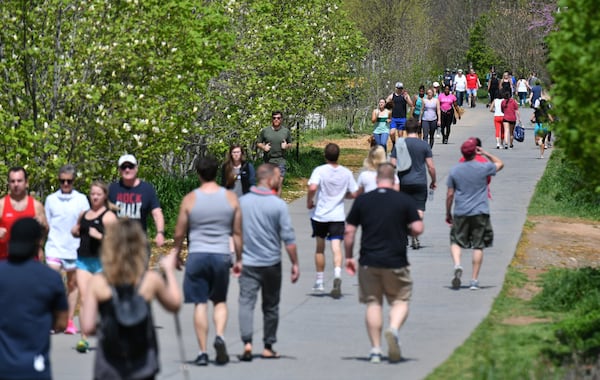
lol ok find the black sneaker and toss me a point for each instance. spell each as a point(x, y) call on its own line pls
point(201, 360)
point(336, 292)
point(219, 345)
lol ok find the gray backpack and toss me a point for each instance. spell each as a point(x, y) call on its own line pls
point(403, 160)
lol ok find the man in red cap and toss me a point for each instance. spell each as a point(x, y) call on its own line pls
point(471, 225)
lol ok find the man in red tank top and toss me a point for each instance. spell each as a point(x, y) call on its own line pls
point(17, 205)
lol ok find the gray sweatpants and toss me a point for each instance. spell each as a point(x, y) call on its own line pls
point(268, 280)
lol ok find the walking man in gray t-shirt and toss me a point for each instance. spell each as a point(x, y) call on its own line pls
point(471, 225)
point(266, 223)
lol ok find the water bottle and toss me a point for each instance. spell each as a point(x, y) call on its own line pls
point(430, 195)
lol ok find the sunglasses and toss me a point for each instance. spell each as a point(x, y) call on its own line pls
point(276, 117)
point(65, 181)
point(127, 166)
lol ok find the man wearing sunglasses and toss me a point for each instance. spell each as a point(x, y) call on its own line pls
point(135, 198)
point(18, 204)
point(63, 208)
point(274, 141)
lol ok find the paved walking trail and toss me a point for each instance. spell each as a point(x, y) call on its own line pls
point(323, 338)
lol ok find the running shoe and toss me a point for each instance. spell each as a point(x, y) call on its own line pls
point(456, 279)
point(82, 346)
point(318, 287)
point(336, 292)
point(474, 285)
point(375, 357)
point(202, 360)
point(71, 329)
point(222, 356)
point(394, 354)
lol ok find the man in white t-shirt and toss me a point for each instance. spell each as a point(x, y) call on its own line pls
point(460, 87)
point(63, 208)
point(328, 186)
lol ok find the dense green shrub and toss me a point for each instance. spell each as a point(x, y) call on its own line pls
point(574, 52)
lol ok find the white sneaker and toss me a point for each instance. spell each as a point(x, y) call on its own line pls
point(394, 354)
point(318, 287)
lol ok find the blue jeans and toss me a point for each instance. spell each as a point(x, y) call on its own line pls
point(460, 95)
point(381, 139)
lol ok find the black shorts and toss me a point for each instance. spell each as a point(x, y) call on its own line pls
point(416, 192)
point(329, 230)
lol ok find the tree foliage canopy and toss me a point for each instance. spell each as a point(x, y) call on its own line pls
point(84, 82)
point(574, 56)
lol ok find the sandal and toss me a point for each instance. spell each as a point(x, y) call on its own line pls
point(271, 354)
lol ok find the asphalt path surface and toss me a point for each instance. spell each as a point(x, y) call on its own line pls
point(323, 338)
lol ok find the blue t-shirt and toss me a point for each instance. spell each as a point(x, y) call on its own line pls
point(31, 293)
point(469, 181)
point(134, 202)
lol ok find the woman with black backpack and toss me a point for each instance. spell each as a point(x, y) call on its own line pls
point(121, 295)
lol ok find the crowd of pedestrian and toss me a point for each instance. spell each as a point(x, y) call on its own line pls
point(239, 225)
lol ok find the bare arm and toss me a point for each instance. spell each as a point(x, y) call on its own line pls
point(431, 169)
point(168, 293)
point(40, 216)
point(293, 254)
point(408, 100)
point(374, 115)
point(416, 228)
point(310, 197)
point(181, 226)
point(75, 229)
point(493, 159)
point(349, 235)
point(438, 111)
point(449, 201)
point(159, 222)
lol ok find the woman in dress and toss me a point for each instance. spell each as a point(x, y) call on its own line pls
point(430, 118)
point(381, 118)
point(90, 230)
point(366, 179)
point(124, 255)
point(237, 174)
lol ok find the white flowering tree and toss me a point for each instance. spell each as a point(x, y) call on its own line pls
point(86, 81)
point(293, 56)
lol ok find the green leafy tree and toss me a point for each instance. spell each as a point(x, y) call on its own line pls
point(573, 65)
point(480, 53)
point(84, 82)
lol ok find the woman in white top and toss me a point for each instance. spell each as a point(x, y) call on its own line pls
point(366, 179)
point(522, 89)
point(430, 117)
point(496, 108)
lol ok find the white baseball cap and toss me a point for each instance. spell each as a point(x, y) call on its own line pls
point(399, 85)
point(127, 158)
point(436, 84)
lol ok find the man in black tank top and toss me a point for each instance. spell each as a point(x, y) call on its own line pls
point(400, 99)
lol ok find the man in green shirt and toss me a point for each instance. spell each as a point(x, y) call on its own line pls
point(274, 141)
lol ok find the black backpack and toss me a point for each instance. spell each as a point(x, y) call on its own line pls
point(128, 331)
